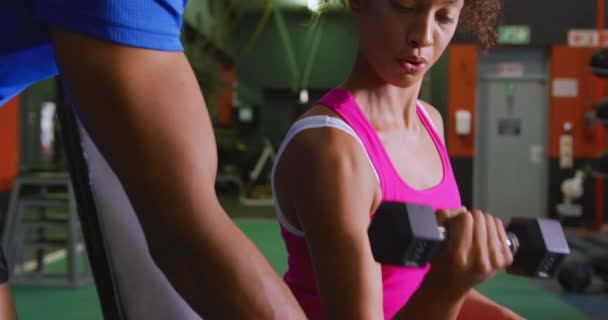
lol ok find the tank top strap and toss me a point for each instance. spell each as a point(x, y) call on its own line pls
point(344, 104)
point(432, 130)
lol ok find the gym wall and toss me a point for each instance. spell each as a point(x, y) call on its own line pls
point(8, 144)
point(267, 65)
point(9, 151)
point(573, 63)
point(565, 63)
point(462, 95)
point(265, 78)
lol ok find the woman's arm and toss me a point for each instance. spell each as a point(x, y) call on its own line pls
point(325, 180)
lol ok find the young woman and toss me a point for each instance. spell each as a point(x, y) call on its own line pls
point(371, 140)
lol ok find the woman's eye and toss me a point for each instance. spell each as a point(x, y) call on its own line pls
point(402, 9)
point(445, 19)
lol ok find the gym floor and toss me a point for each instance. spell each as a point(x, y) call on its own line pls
point(531, 298)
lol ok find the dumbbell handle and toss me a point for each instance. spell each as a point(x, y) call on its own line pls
point(512, 240)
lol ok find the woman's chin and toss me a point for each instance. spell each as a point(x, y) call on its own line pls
point(405, 81)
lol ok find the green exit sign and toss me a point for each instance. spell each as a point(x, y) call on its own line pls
point(514, 35)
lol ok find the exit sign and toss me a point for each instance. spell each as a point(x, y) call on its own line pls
point(514, 35)
point(587, 38)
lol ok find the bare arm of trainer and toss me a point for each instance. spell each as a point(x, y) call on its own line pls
point(8, 310)
point(144, 110)
point(7, 304)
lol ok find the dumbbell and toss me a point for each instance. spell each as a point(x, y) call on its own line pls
point(600, 267)
point(575, 277)
point(589, 262)
point(407, 234)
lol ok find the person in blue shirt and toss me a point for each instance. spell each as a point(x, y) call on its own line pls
point(123, 67)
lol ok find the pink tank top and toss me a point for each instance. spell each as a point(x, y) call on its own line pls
point(398, 283)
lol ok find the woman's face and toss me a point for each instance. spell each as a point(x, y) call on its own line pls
point(402, 39)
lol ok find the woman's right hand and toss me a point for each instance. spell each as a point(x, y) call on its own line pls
point(475, 248)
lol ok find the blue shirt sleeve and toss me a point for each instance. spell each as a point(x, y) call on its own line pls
point(151, 24)
point(26, 54)
point(22, 68)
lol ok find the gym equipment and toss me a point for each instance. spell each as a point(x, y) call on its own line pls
point(601, 113)
point(42, 224)
point(128, 281)
point(599, 262)
point(599, 67)
point(575, 277)
point(600, 266)
point(602, 167)
point(265, 159)
point(572, 189)
point(599, 63)
point(407, 234)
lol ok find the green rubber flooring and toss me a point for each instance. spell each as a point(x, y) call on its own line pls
point(525, 296)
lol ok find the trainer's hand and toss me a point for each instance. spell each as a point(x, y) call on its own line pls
point(474, 250)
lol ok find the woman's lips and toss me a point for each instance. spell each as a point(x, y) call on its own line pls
point(412, 66)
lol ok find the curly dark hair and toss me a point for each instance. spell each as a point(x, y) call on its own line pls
point(478, 17)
